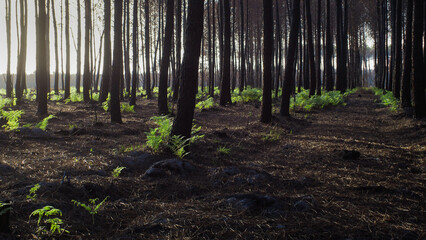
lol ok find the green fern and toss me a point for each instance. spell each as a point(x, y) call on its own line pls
point(12, 118)
point(43, 123)
point(3, 208)
point(125, 107)
point(117, 171)
point(178, 145)
point(33, 192)
point(49, 213)
point(224, 150)
point(92, 208)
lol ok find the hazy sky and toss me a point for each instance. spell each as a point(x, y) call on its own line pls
point(31, 64)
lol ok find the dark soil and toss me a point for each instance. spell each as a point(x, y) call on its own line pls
point(348, 172)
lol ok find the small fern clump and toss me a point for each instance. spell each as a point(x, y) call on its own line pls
point(125, 107)
point(387, 98)
point(50, 215)
point(43, 123)
point(206, 104)
point(33, 192)
point(92, 208)
point(12, 117)
point(117, 171)
point(159, 139)
point(4, 208)
point(224, 150)
point(178, 144)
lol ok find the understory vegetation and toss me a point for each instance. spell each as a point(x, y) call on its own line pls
point(387, 98)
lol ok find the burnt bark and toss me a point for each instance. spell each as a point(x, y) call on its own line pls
point(291, 58)
point(189, 75)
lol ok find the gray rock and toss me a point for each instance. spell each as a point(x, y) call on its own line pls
point(36, 133)
point(257, 204)
point(231, 171)
point(142, 161)
point(302, 206)
point(305, 204)
point(170, 166)
point(280, 226)
point(6, 169)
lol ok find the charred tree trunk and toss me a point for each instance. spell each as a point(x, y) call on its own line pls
point(225, 93)
point(178, 49)
point(165, 60)
point(311, 55)
point(419, 76)
point(9, 84)
point(268, 36)
point(318, 50)
point(87, 75)
point(78, 77)
point(398, 50)
point(147, 53)
point(106, 74)
point(242, 49)
point(41, 69)
point(127, 48)
point(67, 49)
point(135, 75)
point(22, 53)
point(291, 57)
point(55, 29)
point(189, 74)
point(408, 50)
point(117, 63)
point(279, 50)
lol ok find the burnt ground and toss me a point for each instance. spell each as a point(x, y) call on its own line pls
point(290, 179)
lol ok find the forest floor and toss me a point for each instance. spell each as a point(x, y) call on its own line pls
point(291, 179)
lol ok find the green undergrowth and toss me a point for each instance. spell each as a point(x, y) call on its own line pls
point(11, 117)
point(159, 139)
point(387, 98)
point(308, 103)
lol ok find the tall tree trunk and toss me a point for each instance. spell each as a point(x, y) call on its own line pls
point(214, 50)
point(268, 38)
point(313, 82)
point(178, 49)
point(135, 75)
point(41, 69)
point(211, 70)
point(339, 46)
point(225, 93)
point(345, 47)
point(9, 84)
point(147, 53)
point(47, 39)
point(22, 53)
point(419, 75)
point(127, 48)
point(220, 22)
point(67, 49)
point(165, 60)
point(291, 57)
point(279, 45)
point(78, 77)
point(329, 52)
point(408, 50)
point(242, 49)
point(189, 74)
point(106, 74)
point(87, 75)
point(117, 63)
point(55, 29)
point(318, 48)
point(398, 50)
